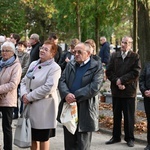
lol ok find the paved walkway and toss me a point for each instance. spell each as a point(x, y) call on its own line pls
point(98, 141)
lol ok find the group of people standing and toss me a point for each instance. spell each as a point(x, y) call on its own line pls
point(77, 76)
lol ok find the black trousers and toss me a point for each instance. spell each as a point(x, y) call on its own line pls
point(78, 141)
point(127, 107)
point(147, 111)
point(6, 126)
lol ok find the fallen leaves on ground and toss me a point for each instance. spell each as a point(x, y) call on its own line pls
point(107, 121)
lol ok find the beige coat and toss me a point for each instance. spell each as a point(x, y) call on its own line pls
point(9, 80)
point(41, 91)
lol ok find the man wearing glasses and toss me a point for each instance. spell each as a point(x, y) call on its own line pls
point(123, 72)
point(81, 82)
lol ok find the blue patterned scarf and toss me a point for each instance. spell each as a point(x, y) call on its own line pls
point(31, 71)
point(6, 63)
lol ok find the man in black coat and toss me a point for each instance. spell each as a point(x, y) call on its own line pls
point(123, 72)
point(35, 43)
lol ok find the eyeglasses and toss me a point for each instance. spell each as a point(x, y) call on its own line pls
point(78, 51)
point(125, 42)
point(6, 51)
point(44, 48)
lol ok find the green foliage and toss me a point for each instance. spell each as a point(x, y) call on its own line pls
point(60, 16)
point(11, 17)
point(111, 13)
point(38, 15)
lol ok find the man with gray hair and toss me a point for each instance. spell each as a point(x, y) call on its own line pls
point(81, 82)
point(123, 72)
point(35, 43)
point(104, 51)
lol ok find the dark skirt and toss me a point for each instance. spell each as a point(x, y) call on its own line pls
point(42, 135)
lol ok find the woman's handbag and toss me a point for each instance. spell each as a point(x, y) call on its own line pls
point(69, 116)
point(22, 136)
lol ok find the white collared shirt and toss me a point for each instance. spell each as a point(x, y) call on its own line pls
point(85, 62)
point(124, 54)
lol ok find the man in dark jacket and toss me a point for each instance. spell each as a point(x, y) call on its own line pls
point(81, 82)
point(123, 72)
point(35, 43)
point(104, 51)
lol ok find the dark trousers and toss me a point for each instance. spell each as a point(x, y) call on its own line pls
point(127, 107)
point(16, 109)
point(147, 111)
point(78, 141)
point(6, 126)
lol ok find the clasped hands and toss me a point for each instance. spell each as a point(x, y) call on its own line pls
point(70, 98)
point(147, 93)
point(2, 96)
point(120, 86)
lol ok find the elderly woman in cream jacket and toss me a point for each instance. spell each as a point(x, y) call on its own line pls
point(39, 92)
point(10, 74)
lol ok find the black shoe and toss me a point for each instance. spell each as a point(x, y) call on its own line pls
point(112, 141)
point(130, 143)
point(147, 147)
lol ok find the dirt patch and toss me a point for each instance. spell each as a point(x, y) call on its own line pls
point(106, 119)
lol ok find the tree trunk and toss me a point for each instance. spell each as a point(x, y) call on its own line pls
point(96, 26)
point(135, 36)
point(135, 27)
point(144, 32)
point(78, 20)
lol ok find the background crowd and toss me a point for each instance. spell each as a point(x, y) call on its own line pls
point(34, 74)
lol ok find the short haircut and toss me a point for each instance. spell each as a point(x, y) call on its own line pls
point(9, 44)
point(129, 38)
point(24, 43)
point(53, 35)
point(35, 37)
point(74, 42)
point(54, 47)
point(16, 36)
point(104, 38)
